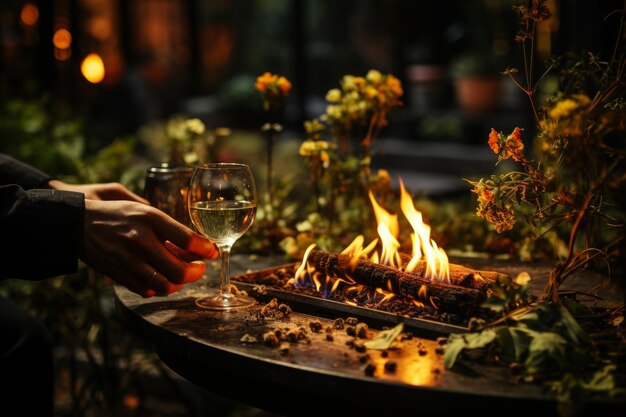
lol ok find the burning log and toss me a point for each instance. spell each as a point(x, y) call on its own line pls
point(451, 298)
point(459, 275)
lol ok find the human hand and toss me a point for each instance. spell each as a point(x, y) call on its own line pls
point(142, 248)
point(104, 191)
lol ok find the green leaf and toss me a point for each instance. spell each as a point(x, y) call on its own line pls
point(385, 338)
point(458, 342)
point(495, 304)
point(545, 352)
point(572, 329)
point(514, 342)
point(602, 380)
point(455, 346)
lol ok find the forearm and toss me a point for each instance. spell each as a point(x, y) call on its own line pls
point(13, 171)
point(41, 232)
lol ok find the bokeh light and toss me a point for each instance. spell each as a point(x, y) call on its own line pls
point(92, 68)
point(62, 39)
point(30, 14)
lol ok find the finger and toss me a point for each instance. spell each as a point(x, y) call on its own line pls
point(154, 282)
point(115, 191)
point(147, 282)
point(134, 197)
point(202, 246)
point(163, 286)
point(185, 255)
point(183, 237)
point(174, 268)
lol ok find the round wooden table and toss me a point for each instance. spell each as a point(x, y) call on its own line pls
point(317, 375)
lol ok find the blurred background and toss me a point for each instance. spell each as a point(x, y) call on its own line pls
point(120, 65)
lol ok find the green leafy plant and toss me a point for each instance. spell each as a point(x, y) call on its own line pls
point(338, 154)
point(78, 309)
point(574, 186)
point(539, 341)
point(573, 189)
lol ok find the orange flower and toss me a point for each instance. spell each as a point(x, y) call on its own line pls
point(511, 146)
point(263, 81)
point(394, 85)
point(494, 141)
point(273, 89)
point(514, 144)
point(284, 84)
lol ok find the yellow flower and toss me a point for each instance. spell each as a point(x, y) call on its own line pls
point(334, 111)
point(371, 92)
point(348, 82)
point(565, 107)
point(333, 95)
point(374, 76)
point(307, 148)
point(195, 126)
point(313, 127)
point(316, 149)
point(359, 82)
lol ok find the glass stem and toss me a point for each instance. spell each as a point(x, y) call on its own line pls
point(225, 272)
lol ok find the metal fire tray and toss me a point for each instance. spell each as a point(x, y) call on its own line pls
point(323, 307)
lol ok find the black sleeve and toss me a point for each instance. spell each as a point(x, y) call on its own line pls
point(13, 171)
point(41, 232)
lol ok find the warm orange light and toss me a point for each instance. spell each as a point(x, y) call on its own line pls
point(386, 295)
point(62, 54)
point(437, 266)
point(427, 259)
point(301, 273)
point(387, 231)
point(92, 68)
point(29, 14)
point(62, 39)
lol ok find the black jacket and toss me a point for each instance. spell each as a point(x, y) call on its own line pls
point(41, 230)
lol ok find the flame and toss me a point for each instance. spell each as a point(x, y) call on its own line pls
point(356, 249)
point(387, 231)
point(437, 266)
point(423, 292)
point(386, 295)
point(427, 258)
point(301, 274)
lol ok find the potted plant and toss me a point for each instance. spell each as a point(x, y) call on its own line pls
point(477, 82)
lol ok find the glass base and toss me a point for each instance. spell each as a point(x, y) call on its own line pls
point(222, 302)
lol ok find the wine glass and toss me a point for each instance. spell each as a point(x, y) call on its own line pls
point(222, 206)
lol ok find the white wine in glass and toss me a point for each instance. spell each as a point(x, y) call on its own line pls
point(222, 206)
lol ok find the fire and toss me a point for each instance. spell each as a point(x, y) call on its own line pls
point(427, 258)
point(437, 266)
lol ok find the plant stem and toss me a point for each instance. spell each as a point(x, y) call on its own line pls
point(270, 186)
point(557, 274)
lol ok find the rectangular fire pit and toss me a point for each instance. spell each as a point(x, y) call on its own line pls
point(266, 284)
